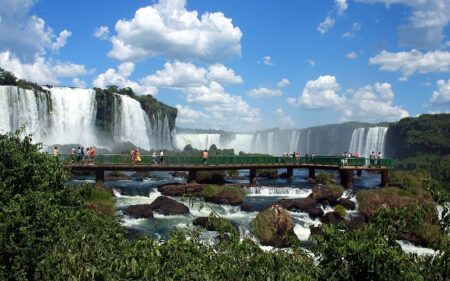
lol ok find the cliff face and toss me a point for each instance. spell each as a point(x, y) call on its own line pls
point(426, 134)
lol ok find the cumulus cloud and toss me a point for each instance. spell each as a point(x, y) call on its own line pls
point(77, 82)
point(189, 116)
point(412, 61)
point(120, 79)
point(168, 29)
point(442, 94)
point(262, 92)
point(426, 23)
point(319, 93)
point(326, 25)
point(102, 32)
point(352, 55)
point(369, 103)
point(40, 70)
point(27, 35)
point(341, 6)
point(283, 121)
point(180, 75)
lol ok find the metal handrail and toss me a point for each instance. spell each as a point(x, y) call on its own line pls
point(231, 160)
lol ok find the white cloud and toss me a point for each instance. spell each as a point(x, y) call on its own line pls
point(181, 75)
point(120, 79)
point(413, 61)
point(61, 40)
point(78, 83)
point(267, 60)
point(369, 103)
point(283, 121)
point(442, 94)
point(188, 116)
point(40, 70)
point(102, 32)
point(355, 28)
point(168, 29)
point(373, 103)
point(312, 63)
point(341, 6)
point(319, 93)
point(262, 92)
point(426, 23)
point(352, 55)
point(27, 35)
point(326, 25)
point(223, 75)
point(283, 83)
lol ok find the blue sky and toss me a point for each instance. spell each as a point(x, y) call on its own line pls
point(242, 65)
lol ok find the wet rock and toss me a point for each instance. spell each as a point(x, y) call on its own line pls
point(274, 227)
point(316, 230)
point(331, 194)
point(219, 194)
point(141, 174)
point(115, 176)
point(216, 224)
point(139, 211)
point(270, 174)
point(178, 174)
point(347, 203)
point(332, 218)
point(305, 204)
point(166, 206)
point(315, 212)
point(177, 189)
point(286, 203)
point(247, 208)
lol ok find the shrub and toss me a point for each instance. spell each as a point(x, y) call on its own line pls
point(224, 191)
point(325, 178)
point(340, 210)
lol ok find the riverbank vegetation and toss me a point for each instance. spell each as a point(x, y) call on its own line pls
point(49, 232)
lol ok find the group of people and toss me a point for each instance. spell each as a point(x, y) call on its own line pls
point(294, 155)
point(375, 159)
point(79, 155)
point(135, 157)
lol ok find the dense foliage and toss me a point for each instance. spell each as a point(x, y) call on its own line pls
point(53, 231)
point(9, 79)
point(421, 142)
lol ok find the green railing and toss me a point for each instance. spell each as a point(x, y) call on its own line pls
point(229, 160)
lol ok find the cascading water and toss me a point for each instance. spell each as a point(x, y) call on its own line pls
point(130, 123)
point(364, 141)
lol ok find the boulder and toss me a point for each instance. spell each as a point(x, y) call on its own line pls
point(315, 212)
point(231, 195)
point(347, 203)
point(216, 224)
point(274, 227)
point(286, 203)
point(332, 218)
point(315, 230)
point(139, 211)
point(141, 174)
point(177, 189)
point(166, 206)
point(305, 204)
point(329, 194)
point(269, 174)
point(247, 208)
point(178, 174)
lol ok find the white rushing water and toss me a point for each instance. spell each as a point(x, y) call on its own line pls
point(278, 191)
point(68, 116)
point(364, 141)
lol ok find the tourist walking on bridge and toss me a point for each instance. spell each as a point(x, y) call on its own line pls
point(56, 151)
point(161, 157)
point(372, 159)
point(205, 157)
point(132, 155)
point(379, 159)
point(154, 158)
point(137, 156)
point(91, 155)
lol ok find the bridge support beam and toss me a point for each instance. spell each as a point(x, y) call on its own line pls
point(252, 176)
point(289, 173)
point(99, 175)
point(384, 177)
point(359, 172)
point(346, 177)
point(312, 173)
point(192, 176)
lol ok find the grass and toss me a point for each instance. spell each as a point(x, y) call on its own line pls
point(340, 210)
point(267, 224)
point(224, 191)
point(101, 200)
point(325, 178)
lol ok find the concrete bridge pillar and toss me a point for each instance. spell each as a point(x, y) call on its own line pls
point(289, 173)
point(252, 176)
point(99, 175)
point(384, 177)
point(192, 176)
point(359, 172)
point(346, 176)
point(312, 173)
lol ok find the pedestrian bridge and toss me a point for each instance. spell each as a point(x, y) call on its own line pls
point(192, 164)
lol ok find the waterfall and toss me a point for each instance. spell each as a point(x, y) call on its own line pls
point(365, 141)
point(130, 122)
point(307, 142)
point(357, 143)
